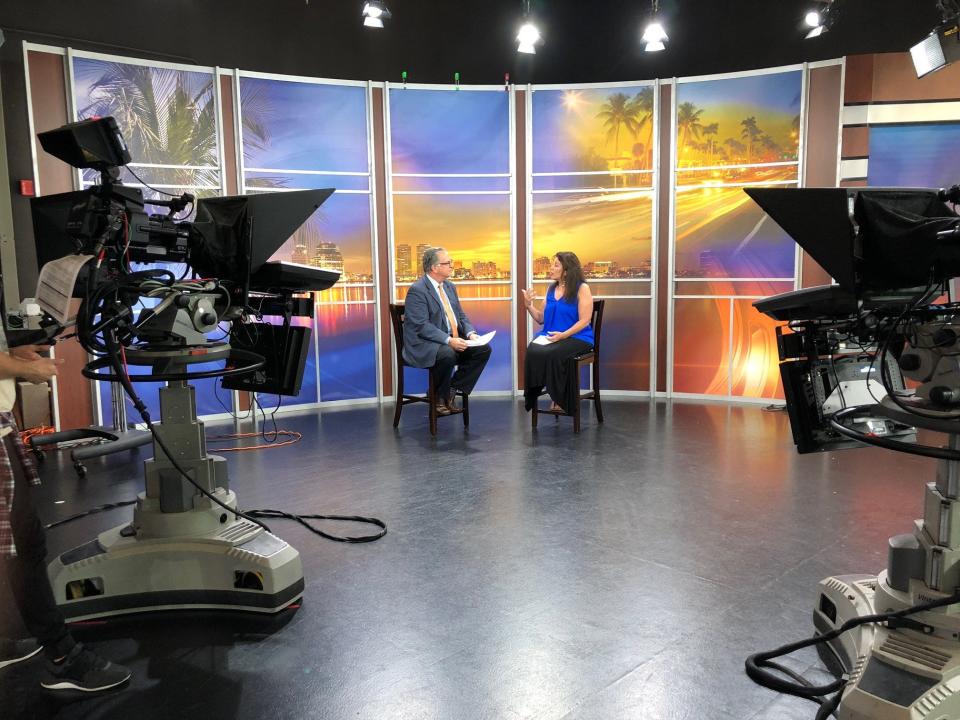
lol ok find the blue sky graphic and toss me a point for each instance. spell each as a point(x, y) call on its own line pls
point(778, 92)
point(311, 126)
point(915, 155)
point(449, 131)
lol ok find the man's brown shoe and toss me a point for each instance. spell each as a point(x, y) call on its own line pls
point(452, 402)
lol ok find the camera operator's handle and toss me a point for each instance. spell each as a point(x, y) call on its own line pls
point(951, 194)
point(239, 362)
point(41, 336)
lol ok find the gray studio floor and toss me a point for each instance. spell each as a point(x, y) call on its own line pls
point(622, 573)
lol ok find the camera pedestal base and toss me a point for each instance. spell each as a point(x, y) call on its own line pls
point(905, 673)
point(240, 567)
point(182, 550)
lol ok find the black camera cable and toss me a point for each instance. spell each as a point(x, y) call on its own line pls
point(111, 348)
point(251, 515)
point(141, 408)
point(759, 665)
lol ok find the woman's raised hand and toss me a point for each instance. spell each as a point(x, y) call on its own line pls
point(529, 296)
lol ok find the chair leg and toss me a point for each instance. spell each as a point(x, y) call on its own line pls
point(596, 389)
point(533, 415)
point(576, 415)
point(466, 411)
point(399, 409)
point(432, 400)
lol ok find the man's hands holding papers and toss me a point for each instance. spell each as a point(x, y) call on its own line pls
point(478, 340)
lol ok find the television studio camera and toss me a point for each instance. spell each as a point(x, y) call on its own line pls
point(188, 546)
point(893, 639)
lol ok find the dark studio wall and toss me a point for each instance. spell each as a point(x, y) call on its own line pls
point(584, 41)
point(431, 39)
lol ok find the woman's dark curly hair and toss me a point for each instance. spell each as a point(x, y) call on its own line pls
point(572, 275)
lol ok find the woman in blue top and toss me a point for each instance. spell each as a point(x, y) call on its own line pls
point(565, 316)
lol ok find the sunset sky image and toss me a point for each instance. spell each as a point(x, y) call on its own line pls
point(473, 228)
point(592, 129)
point(595, 226)
point(739, 120)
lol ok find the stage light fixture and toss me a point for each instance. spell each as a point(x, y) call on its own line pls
point(529, 35)
point(818, 19)
point(654, 36)
point(942, 46)
point(374, 13)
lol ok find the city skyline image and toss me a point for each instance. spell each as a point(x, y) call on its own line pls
point(474, 229)
point(337, 234)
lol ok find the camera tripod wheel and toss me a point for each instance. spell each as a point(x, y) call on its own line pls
point(81, 470)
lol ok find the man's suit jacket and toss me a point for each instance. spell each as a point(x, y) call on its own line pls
point(425, 322)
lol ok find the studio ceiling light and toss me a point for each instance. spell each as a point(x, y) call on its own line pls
point(526, 38)
point(374, 13)
point(654, 36)
point(529, 35)
point(818, 19)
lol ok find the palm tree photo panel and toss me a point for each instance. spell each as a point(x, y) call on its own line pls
point(731, 133)
point(592, 165)
point(168, 119)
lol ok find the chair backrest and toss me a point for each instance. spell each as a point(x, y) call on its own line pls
point(396, 320)
point(596, 320)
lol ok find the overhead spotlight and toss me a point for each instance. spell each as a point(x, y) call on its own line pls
point(940, 48)
point(374, 13)
point(818, 19)
point(529, 35)
point(654, 36)
point(527, 38)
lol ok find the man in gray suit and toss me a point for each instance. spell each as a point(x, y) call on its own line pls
point(435, 331)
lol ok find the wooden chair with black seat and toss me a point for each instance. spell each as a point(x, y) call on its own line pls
point(590, 357)
point(402, 399)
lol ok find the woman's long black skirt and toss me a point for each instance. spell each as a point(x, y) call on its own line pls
point(552, 366)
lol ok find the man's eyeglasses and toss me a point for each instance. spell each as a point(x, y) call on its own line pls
point(448, 262)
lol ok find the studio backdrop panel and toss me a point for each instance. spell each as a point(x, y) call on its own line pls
point(730, 133)
point(592, 179)
point(305, 134)
point(450, 184)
